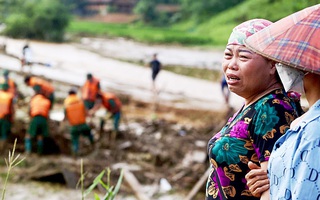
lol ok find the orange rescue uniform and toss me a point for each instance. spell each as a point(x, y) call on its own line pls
point(90, 89)
point(12, 86)
point(46, 88)
point(75, 110)
point(6, 99)
point(106, 96)
point(39, 106)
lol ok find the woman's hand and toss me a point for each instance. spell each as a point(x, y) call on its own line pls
point(257, 179)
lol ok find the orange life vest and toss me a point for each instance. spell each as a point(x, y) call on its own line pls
point(39, 105)
point(46, 88)
point(106, 96)
point(90, 89)
point(5, 103)
point(12, 87)
point(75, 110)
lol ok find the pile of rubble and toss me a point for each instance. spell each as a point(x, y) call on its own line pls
point(165, 148)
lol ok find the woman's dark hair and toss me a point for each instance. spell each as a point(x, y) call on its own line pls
point(295, 97)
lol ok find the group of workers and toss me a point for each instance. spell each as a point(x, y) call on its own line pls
point(76, 110)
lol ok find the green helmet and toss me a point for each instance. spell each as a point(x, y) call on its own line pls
point(5, 72)
point(37, 88)
point(4, 86)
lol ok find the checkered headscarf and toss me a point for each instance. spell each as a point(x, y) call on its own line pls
point(246, 29)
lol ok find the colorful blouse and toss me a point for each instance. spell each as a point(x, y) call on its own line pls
point(294, 167)
point(248, 136)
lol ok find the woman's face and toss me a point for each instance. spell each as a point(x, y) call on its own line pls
point(247, 73)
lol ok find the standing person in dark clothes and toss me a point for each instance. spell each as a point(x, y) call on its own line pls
point(155, 66)
point(224, 89)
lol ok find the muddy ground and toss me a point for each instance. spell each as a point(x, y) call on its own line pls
point(162, 146)
point(156, 142)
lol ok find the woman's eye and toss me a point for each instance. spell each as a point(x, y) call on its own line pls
point(243, 56)
point(227, 54)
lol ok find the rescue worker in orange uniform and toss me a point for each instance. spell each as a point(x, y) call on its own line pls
point(6, 114)
point(90, 90)
point(75, 113)
point(45, 87)
point(13, 89)
point(113, 106)
point(39, 113)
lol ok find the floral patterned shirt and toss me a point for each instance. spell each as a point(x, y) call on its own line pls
point(248, 136)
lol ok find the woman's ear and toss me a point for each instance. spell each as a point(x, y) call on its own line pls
point(273, 68)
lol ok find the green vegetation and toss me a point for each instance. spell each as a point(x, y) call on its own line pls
point(37, 19)
point(206, 74)
point(196, 23)
point(12, 162)
point(148, 34)
point(110, 191)
point(193, 30)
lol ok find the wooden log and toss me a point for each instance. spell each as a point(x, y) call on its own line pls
point(198, 185)
point(134, 185)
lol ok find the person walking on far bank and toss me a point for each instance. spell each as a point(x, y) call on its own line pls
point(224, 89)
point(155, 66)
point(39, 113)
point(26, 56)
point(75, 113)
point(6, 114)
point(89, 91)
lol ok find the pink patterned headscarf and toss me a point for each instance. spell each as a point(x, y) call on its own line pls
point(246, 29)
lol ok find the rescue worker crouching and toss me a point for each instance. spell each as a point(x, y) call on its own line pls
point(75, 113)
point(45, 87)
point(113, 106)
point(38, 127)
point(6, 114)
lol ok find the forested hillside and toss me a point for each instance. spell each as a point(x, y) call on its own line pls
point(196, 23)
point(219, 26)
point(183, 22)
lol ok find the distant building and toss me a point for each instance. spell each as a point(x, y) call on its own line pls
point(102, 6)
point(168, 8)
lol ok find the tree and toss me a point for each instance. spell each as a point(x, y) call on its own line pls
point(147, 10)
point(150, 14)
point(203, 9)
point(39, 19)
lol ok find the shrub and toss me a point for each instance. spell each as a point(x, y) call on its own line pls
point(38, 19)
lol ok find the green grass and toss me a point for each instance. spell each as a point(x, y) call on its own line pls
point(206, 74)
point(213, 33)
point(147, 34)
